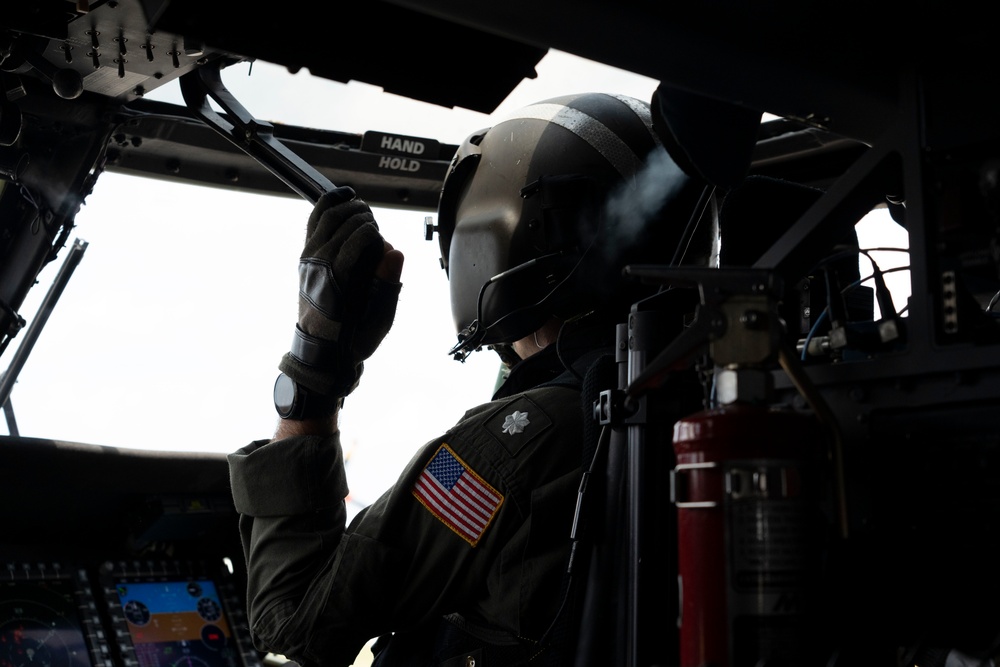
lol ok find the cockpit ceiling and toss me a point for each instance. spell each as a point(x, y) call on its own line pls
point(125, 48)
point(847, 69)
point(404, 51)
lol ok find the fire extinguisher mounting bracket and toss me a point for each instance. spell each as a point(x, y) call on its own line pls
point(737, 319)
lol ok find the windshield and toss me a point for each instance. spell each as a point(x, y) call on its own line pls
point(169, 332)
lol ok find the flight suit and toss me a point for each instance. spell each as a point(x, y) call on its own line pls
point(477, 528)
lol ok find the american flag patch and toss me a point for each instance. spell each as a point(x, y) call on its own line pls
point(457, 496)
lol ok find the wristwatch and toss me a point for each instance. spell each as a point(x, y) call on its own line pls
point(293, 401)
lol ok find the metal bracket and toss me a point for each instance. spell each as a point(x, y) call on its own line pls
point(737, 319)
point(252, 136)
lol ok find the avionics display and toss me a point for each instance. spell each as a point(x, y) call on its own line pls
point(177, 623)
point(48, 619)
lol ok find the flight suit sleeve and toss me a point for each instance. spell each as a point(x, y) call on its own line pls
point(429, 546)
point(450, 536)
point(318, 590)
point(421, 550)
point(290, 497)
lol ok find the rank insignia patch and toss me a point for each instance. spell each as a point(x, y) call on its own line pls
point(457, 496)
point(516, 424)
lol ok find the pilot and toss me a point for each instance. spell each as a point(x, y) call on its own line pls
point(465, 556)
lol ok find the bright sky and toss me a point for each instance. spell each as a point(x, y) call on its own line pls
point(169, 333)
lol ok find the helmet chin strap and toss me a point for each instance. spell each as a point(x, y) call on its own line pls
point(470, 338)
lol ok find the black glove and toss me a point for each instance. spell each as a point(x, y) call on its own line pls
point(344, 309)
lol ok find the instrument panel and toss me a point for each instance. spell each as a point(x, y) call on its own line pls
point(166, 613)
point(119, 558)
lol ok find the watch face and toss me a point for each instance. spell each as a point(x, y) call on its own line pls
point(284, 395)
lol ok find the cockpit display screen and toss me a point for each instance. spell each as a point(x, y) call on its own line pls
point(39, 625)
point(177, 623)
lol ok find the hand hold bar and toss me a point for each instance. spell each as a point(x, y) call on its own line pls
point(254, 137)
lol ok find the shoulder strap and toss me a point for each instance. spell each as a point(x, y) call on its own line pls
point(595, 372)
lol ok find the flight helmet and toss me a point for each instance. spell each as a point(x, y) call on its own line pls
point(539, 213)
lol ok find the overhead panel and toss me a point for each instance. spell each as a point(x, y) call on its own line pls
point(405, 52)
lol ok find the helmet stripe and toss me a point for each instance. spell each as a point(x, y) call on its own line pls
point(588, 128)
point(642, 111)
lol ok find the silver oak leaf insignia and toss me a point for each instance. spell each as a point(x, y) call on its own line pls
point(515, 423)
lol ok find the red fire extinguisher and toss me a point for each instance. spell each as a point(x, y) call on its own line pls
point(745, 487)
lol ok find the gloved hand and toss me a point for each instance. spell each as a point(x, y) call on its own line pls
point(345, 310)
